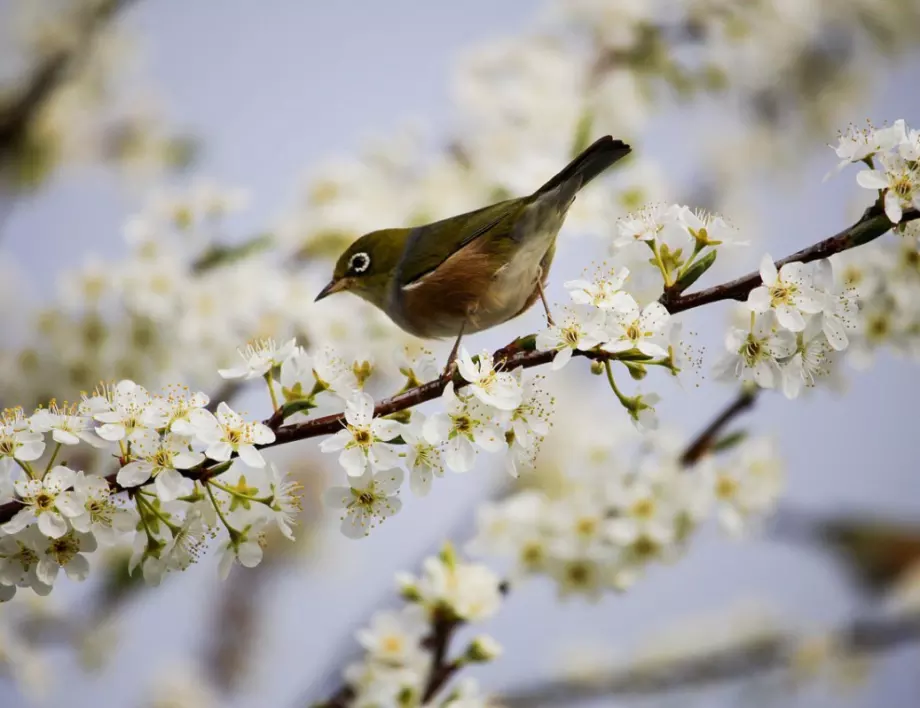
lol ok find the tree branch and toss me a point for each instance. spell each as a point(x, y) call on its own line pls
point(747, 659)
point(870, 226)
point(18, 115)
point(522, 352)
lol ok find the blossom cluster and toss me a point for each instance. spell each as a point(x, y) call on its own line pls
point(893, 158)
point(498, 411)
point(175, 458)
point(798, 323)
point(606, 526)
point(397, 666)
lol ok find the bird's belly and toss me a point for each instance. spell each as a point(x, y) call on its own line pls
point(444, 304)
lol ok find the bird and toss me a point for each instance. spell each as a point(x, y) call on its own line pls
point(473, 271)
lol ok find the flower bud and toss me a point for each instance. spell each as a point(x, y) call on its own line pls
point(482, 649)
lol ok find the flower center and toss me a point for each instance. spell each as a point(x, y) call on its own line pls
point(392, 645)
point(570, 336)
point(751, 350)
point(8, 447)
point(586, 526)
point(234, 437)
point(578, 573)
point(632, 332)
point(726, 488)
point(44, 501)
point(644, 547)
point(781, 294)
point(902, 187)
point(363, 437)
point(463, 424)
point(63, 549)
point(532, 554)
point(643, 509)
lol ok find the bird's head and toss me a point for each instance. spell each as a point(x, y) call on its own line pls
point(367, 266)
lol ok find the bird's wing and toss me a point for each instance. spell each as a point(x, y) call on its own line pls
point(429, 246)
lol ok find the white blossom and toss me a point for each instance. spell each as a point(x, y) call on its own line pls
point(100, 514)
point(17, 440)
point(604, 293)
point(465, 424)
point(471, 591)
point(227, 433)
point(161, 458)
point(643, 330)
point(368, 500)
point(575, 334)
point(259, 358)
point(66, 427)
point(243, 548)
point(496, 388)
point(789, 292)
point(48, 501)
point(753, 353)
point(363, 441)
point(900, 181)
point(123, 410)
point(424, 460)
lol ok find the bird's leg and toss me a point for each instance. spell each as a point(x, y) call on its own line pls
point(452, 357)
point(549, 317)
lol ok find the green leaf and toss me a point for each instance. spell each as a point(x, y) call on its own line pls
point(219, 255)
point(729, 441)
point(291, 407)
point(694, 272)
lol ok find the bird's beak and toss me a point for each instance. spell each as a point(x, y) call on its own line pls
point(334, 286)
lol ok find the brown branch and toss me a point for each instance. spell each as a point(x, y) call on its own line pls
point(742, 661)
point(870, 226)
point(523, 353)
point(16, 117)
point(703, 442)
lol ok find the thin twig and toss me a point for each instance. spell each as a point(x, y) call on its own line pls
point(442, 669)
point(743, 661)
point(703, 443)
point(522, 352)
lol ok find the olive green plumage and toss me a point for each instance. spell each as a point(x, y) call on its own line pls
point(472, 271)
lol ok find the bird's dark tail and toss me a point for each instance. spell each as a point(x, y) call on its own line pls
point(589, 164)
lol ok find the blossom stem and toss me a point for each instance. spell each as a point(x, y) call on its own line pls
point(27, 468)
point(54, 454)
point(627, 403)
point(230, 530)
point(173, 528)
point(271, 390)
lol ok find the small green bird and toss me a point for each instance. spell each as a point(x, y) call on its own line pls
point(473, 271)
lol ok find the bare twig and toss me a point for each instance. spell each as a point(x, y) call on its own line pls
point(523, 353)
point(742, 661)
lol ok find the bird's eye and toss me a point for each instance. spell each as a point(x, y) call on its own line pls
point(359, 263)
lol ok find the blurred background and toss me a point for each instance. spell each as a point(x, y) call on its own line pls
point(178, 178)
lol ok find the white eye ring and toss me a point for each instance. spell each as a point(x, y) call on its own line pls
point(359, 262)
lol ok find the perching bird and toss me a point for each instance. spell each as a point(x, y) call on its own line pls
point(474, 271)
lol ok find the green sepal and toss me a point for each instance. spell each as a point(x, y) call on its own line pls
point(694, 272)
